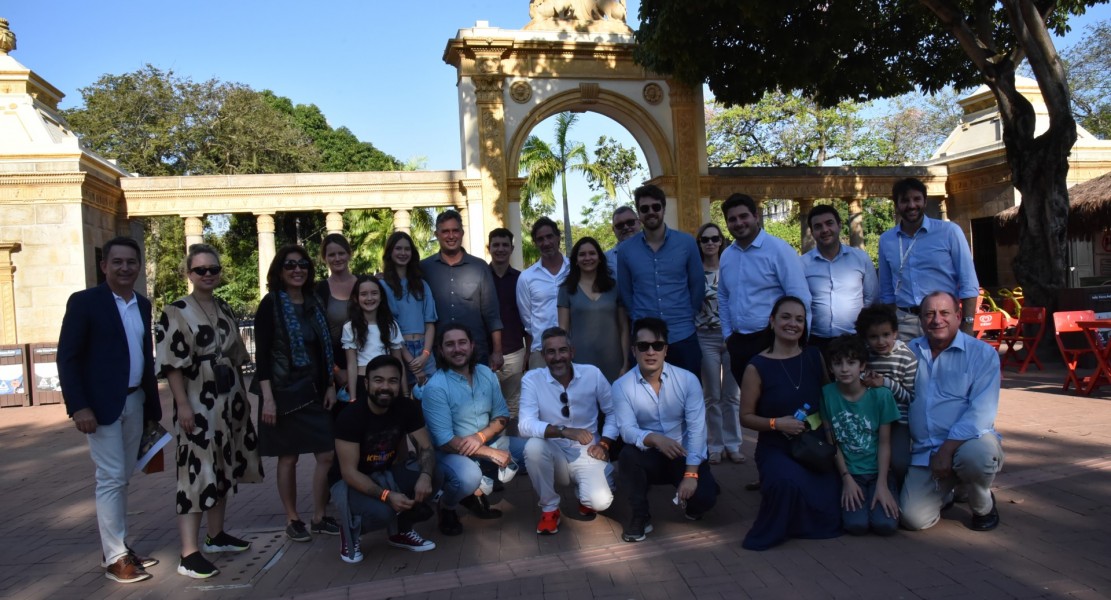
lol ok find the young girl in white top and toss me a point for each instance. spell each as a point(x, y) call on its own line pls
point(371, 332)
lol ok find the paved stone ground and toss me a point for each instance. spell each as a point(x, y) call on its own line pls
point(1054, 495)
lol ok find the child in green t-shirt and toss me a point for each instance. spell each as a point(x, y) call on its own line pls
point(859, 419)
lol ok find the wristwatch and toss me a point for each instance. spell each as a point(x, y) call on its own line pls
point(560, 428)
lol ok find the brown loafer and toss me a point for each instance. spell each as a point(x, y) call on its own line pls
point(126, 570)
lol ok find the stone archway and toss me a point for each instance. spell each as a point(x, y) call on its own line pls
point(511, 80)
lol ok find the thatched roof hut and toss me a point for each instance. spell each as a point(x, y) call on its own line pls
point(1089, 212)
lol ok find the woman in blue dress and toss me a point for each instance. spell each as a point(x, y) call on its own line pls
point(795, 502)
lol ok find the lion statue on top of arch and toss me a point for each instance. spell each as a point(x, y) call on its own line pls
point(603, 16)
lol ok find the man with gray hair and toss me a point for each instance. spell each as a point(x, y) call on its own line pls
point(625, 225)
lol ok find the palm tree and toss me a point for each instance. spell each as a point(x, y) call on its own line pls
point(544, 163)
point(368, 229)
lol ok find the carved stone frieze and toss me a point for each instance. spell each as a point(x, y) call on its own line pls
point(653, 93)
point(520, 91)
point(488, 88)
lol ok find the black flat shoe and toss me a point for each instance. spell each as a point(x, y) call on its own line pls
point(449, 522)
point(480, 507)
point(986, 522)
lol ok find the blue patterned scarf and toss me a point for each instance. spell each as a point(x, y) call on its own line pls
point(296, 340)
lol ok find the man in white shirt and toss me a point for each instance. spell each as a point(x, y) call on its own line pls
point(559, 415)
point(538, 287)
point(662, 419)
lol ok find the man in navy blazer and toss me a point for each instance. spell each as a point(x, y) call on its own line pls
point(106, 367)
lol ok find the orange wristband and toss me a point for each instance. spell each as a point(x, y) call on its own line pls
point(690, 475)
point(773, 424)
point(385, 494)
point(481, 437)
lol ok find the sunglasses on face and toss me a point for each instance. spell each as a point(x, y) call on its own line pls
point(202, 271)
point(566, 410)
point(289, 265)
point(710, 239)
point(647, 208)
point(644, 346)
point(627, 224)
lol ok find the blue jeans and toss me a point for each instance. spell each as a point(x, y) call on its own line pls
point(415, 347)
point(859, 521)
point(462, 474)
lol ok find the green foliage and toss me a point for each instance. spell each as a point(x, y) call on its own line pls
point(914, 126)
point(618, 166)
point(1088, 65)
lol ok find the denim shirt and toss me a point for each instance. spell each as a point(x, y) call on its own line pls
point(455, 407)
point(667, 283)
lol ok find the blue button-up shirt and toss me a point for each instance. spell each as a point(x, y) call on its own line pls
point(537, 290)
point(587, 392)
point(935, 259)
point(455, 407)
point(956, 395)
point(677, 412)
point(751, 279)
point(667, 284)
point(611, 262)
point(839, 289)
point(411, 314)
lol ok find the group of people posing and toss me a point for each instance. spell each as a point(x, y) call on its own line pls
point(435, 383)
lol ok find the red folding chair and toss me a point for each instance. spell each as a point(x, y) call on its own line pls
point(1031, 319)
point(988, 327)
point(1072, 342)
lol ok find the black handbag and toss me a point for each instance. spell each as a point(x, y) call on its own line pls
point(812, 450)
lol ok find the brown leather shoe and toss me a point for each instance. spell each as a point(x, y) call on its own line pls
point(126, 570)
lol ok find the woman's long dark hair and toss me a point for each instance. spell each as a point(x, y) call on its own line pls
point(698, 239)
point(603, 282)
point(382, 315)
point(775, 308)
point(413, 276)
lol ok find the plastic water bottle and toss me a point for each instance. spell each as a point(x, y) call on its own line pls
point(801, 413)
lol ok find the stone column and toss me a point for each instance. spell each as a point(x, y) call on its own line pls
point(855, 222)
point(401, 220)
point(333, 222)
point(806, 239)
point(517, 259)
point(8, 333)
point(266, 250)
point(194, 231)
point(689, 127)
point(943, 207)
point(490, 100)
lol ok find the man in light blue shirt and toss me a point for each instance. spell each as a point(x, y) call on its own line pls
point(625, 226)
point(756, 270)
point(465, 414)
point(842, 279)
point(662, 419)
point(921, 255)
point(538, 287)
point(953, 438)
point(659, 274)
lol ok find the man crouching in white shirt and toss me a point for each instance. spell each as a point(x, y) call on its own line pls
point(559, 413)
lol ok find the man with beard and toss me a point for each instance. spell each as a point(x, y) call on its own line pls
point(921, 255)
point(756, 270)
point(841, 278)
point(515, 342)
point(464, 289)
point(466, 414)
point(559, 415)
point(538, 286)
point(371, 488)
point(625, 225)
point(659, 274)
point(952, 420)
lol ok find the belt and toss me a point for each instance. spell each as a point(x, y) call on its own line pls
point(914, 310)
point(132, 390)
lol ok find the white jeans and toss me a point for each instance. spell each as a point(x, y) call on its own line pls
point(974, 466)
point(509, 377)
point(721, 393)
point(550, 461)
point(115, 450)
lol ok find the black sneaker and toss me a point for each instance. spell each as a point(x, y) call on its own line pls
point(327, 526)
point(986, 522)
point(223, 542)
point(480, 507)
point(296, 531)
point(449, 522)
point(638, 529)
point(196, 566)
point(692, 515)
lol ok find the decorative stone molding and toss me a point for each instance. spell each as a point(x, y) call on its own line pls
point(589, 92)
point(488, 88)
point(653, 93)
point(520, 91)
point(8, 331)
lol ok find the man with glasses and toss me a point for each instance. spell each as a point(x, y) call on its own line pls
point(842, 279)
point(662, 419)
point(559, 415)
point(464, 289)
point(659, 274)
point(625, 226)
point(538, 287)
point(756, 270)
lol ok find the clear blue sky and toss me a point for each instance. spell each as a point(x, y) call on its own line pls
point(375, 67)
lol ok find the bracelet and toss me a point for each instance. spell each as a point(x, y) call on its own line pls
point(481, 436)
point(690, 475)
point(385, 494)
point(773, 424)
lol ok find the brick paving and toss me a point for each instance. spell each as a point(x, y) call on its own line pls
point(1053, 495)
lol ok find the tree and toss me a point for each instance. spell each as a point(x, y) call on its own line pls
point(544, 163)
point(834, 50)
point(914, 126)
point(1088, 65)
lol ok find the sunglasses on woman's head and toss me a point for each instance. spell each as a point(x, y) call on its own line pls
point(289, 265)
point(710, 239)
point(644, 346)
point(202, 271)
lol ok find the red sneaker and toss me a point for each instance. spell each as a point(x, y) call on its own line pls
point(586, 512)
point(549, 523)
